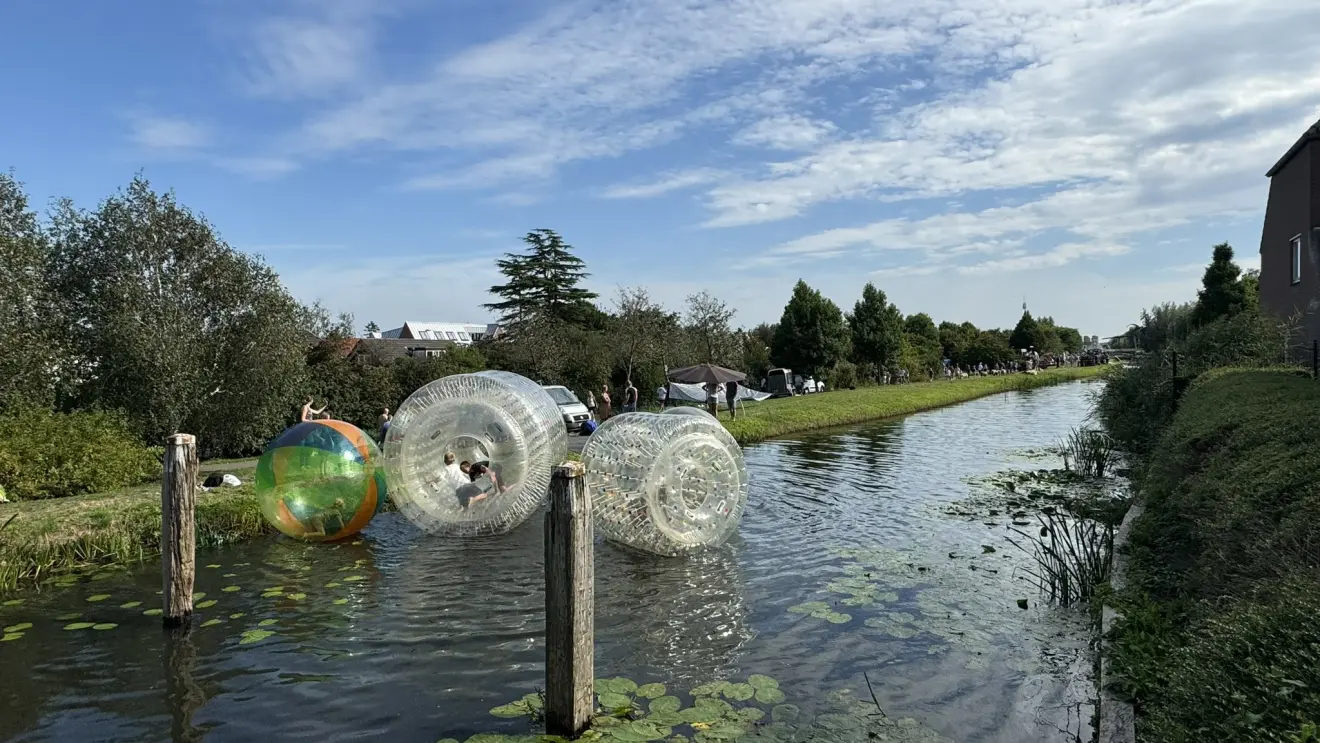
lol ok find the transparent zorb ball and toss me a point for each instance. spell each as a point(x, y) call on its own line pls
point(688, 410)
point(498, 419)
point(665, 483)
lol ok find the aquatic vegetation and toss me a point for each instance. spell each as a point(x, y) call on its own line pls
point(751, 710)
point(1073, 557)
point(1088, 452)
point(254, 635)
point(102, 626)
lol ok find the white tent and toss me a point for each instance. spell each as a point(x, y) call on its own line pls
point(696, 393)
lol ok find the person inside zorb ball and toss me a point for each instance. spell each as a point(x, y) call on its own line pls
point(471, 454)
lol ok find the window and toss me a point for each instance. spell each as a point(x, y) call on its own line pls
point(463, 336)
point(450, 335)
point(1296, 260)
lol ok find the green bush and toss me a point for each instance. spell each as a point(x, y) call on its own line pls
point(52, 455)
point(843, 377)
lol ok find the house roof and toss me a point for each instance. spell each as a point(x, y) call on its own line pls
point(388, 349)
point(441, 330)
point(1310, 135)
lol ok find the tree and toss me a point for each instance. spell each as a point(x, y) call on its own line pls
point(1070, 339)
point(174, 326)
point(1251, 287)
point(755, 355)
point(542, 283)
point(706, 324)
point(956, 339)
point(989, 347)
point(371, 327)
point(30, 363)
point(876, 325)
point(812, 335)
point(1222, 293)
point(921, 325)
point(644, 328)
point(1026, 334)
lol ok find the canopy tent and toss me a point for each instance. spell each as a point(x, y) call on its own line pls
point(705, 374)
point(696, 393)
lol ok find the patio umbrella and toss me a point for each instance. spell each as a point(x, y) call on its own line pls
point(706, 374)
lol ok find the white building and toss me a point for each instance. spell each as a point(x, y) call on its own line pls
point(461, 333)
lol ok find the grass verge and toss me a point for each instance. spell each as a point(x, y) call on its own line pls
point(60, 535)
point(772, 418)
point(1220, 640)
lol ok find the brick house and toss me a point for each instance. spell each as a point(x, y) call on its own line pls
point(1290, 239)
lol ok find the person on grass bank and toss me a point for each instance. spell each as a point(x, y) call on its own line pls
point(630, 398)
point(731, 397)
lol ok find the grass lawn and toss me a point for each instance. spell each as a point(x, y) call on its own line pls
point(58, 535)
point(771, 418)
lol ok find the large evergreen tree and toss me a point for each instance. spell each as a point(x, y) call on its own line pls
point(1026, 334)
point(1222, 292)
point(877, 330)
point(812, 335)
point(543, 284)
point(30, 363)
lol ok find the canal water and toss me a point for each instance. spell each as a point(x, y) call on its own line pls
point(847, 570)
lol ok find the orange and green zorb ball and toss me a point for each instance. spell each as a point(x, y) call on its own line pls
point(320, 481)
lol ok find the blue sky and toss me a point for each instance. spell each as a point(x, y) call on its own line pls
point(961, 154)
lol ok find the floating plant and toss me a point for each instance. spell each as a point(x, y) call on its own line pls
point(254, 635)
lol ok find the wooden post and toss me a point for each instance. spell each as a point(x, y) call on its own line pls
point(570, 641)
point(178, 532)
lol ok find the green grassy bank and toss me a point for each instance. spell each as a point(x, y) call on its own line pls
point(1221, 640)
point(58, 535)
point(843, 407)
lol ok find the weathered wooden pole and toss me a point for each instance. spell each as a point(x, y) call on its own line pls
point(570, 604)
point(178, 529)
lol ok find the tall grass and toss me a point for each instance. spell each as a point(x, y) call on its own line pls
point(763, 420)
point(1088, 452)
point(1073, 557)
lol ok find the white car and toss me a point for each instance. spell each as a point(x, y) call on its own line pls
point(571, 408)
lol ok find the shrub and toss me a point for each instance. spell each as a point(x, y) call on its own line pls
point(51, 455)
point(843, 377)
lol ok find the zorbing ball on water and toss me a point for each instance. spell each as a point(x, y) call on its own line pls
point(321, 481)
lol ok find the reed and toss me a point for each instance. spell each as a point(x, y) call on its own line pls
point(1073, 557)
point(1088, 452)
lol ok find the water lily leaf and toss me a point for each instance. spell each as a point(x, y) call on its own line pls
point(12, 602)
point(651, 691)
point(447, 740)
point(295, 596)
point(10, 636)
point(213, 565)
point(18, 627)
point(622, 685)
point(272, 594)
point(611, 700)
point(605, 721)
point(339, 602)
point(354, 578)
point(785, 713)
point(513, 709)
point(708, 689)
point(237, 615)
point(333, 584)
point(759, 681)
point(68, 617)
point(212, 622)
point(266, 622)
point(254, 635)
point(810, 607)
point(638, 732)
point(533, 701)
point(199, 595)
point(698, 715)
point(739, 692)
point(665, 704)
point(722, 732)
point(275, 588)
point(78, 625)
point(232, 589)
point(835, 617)
point(130, 605)
point(153, 612)
point(229, 575)
point(104, 626)
point(97, 598)
point(769, 696)
point(666, 718)
point(750, 714)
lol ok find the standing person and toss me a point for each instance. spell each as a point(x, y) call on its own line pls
point(308, 412)
point(591, 403)
point(630, 398)
point(605, 409)
point(712, 405)
point(731, 396)
point(383, 421)
point(662, 396)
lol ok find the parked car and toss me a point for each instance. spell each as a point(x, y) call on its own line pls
point(571, 408)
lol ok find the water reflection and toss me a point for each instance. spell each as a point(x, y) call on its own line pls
point(695, 609)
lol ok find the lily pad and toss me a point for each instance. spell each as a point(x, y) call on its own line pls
point(254, 635)
point(710, 689)
point(237, 615)
point(207, 604)
point(97, 598)
point(78, 625)
point(339, 602)
point(130, 605)
point(651, 691)
point(229, 575)
point(104, 626)
point(513, 709)
point(266, 622)
point(638, 732)
point(18, 627)
point(213, 566)
point(212, 622)
point(295, 596)
point(199, 595)
point(769, 696)
point(232, 589)
point(272, 594)
point(333, 584)
point(835, 617)
point(759, 681)
point(611, 700)
point(785, 713)
point(10, 636)
point(12, 602)
point(354, 578)
point(809, 607)
point(665, 704)
point(68, 617)
point(153, 612)
point(750, 714)
point(739, 692)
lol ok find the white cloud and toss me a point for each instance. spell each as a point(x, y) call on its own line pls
point(168, 135)
point(666, 183)
point(325, 48)
point(258, 168)
point(785, 132)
